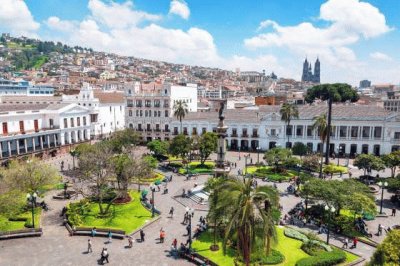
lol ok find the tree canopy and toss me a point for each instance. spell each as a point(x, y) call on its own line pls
point(180, 146)
point(207, 144)
point(300, 149)
point(392, 161)
point(158, 147)
point(277, 156)
point(368, 162)
point(339, 92)
point(388, 252)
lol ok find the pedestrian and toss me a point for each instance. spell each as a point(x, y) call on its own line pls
point(89, 246)
point(130, 241)
point(109, 235)
point(141, 235)
point(171, 212)
point(158, 188)
point(235, 165)
point(355, 240)
point(188, 230)
point(104, 255)
point(162, 235)
point(345, 243)
point(379, 229)
point(251, 160)
point(175, 243)
point(394, 212)
point(350, 174)
point(170, 178)
point(93, 232)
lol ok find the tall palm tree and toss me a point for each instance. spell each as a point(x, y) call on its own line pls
point(247, 214)
point(180, 111)
point(288, 112)
point(321, 124)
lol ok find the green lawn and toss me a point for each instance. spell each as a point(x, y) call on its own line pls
point(127, 217)
point(196, 168)
point(267, 171)
point(289, 247)
point(156, 177)
point(6, 225)
point(40, 61)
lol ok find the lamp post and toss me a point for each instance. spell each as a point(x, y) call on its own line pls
point(31, 198)
point(152, 199)
point(382, 185)
point(245, 163)
point(258, 154)
point(338, 153)
point(239, 153)
point(190, 211)
point(330, 210)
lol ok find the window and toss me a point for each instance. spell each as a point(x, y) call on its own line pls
point(157, 127)
point(36, 125)
point(365, 132)
point(129, 103)
point(166, 128)
point(65, 123)
point(185, 131)
point(140, 127)
point(148, 127)
point(5, 128)
point(148, 103)
point(343, 131)
point(166, 113)
point(299, 131)
point(175, 130)
point(141, 113)
point(378, 132)
point(194, 131)
point(203, 130)
point(255, 132)
point(84, 120)
point(157, 103)
point(309, 131)
point(110, 109)
point(72, 122)
point(273, 132)
point(137, 113)
point(130, 125)
point(146, 113)
point(289, 129)
point(149, 113)
point(138, 103)
point(130, 113)
point(354, 132)
point(78, 121)
point(159, 113)
point(396, 135)
point(21, 127)
point(51, 123)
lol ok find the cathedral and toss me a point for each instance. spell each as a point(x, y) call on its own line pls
point(308, 76)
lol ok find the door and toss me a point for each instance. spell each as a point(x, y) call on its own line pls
point(36, 125)
point(21, 127)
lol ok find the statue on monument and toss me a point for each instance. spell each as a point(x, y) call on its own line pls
point(221, 110)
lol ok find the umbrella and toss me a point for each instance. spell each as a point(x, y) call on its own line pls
point(157, 182)
point(144, 192)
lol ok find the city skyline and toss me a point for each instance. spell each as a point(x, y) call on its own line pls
point(354, 39)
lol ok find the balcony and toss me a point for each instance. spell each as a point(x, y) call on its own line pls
point(245, 135)
point(157, 130)
point(137, 105)
point(140, 129)
point(129, 105)
point(395, 141)
point(166, 105)
point(175, 133)
point(234, 135)
point(167, 130)
point(255, 135)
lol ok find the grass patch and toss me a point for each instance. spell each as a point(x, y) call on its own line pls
point(7, 225)
point(268, 172)
point(40, 61)
point(150, 180)
point(290, 248)
point(127, 217)
point(197, 168)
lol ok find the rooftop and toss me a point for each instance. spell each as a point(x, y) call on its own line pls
point(109, 97)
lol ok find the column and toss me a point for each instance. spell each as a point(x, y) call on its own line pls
point(26, 145)
point(1, 149)
point(17, 144)
point(348, 131)
point(48, 141)
point(41, 142)
point(359, 132)
point(9, 148)
point(62, 139)
point(33, 144)
point(55, 140)
point(371, 131)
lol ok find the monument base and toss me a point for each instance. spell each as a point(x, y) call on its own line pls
point(220, 172)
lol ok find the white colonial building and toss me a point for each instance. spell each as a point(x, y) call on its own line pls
point(41, 128)
point(23, 88)
point(356, 128)
point(150, 110)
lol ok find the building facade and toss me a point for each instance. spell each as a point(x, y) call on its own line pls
point(150, 112)
point(356, 129)
point(23, 88)
point(41, 128)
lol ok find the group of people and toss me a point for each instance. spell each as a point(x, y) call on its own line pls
point(104, 256)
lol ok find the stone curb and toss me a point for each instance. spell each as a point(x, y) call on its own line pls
point(146, 225)
point(361, 259)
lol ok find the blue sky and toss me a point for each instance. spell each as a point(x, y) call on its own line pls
point(354, 39)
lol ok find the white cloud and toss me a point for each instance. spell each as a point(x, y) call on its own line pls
point(180, 8)
point(350, 20)
point(61, 25)
point(380, 56)
point(16, 18)
point(115, 15)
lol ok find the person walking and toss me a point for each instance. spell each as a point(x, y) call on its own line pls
point(104, 256)
point(162, 235)
point(171, 212)
point(394, 212)
point(379, 229)
point(175, 243)
point(130, 241)
point(345, 243)
point(355, 241)
point(89, 246)
point(141, 235)
point(109, 235)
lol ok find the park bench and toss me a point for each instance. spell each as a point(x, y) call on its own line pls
point(100, 232)
point(21, 233)
point(196, 258)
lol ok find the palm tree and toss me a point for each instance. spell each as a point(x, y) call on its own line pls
point(288, 112)
point(321, 124)
point(247, 214)
point(180, 111)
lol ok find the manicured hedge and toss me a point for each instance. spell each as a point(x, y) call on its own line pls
point(295, 234)
point(334, 257)
point(260, 258)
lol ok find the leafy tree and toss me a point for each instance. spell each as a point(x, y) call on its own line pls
point(97, 169)
point(123, 140)
point(338, 92)
point(158, 147)
point(247, 214)
point(180, 146)
point(388, 252)
point(180, 111)
point(81, 148)
point(368, 162)
point(300, 149)
point(150, 161)
point(207, 144)
point(288, 112)
point(321, 125)
point(311, 162)
point(30, 176)
point(392, 161)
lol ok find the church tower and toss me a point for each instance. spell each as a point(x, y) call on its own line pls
point(305, 76)
point(317, 71)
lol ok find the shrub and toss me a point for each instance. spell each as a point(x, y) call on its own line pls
point(312, 248)
point(335, 257)
point(275, 257)
point(28, 223)
point(311, 162)
point(295, 234)
point(17, 219)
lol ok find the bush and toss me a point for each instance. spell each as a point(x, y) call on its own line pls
point(295, 234)
point(275, 257)
point(335, 257)
point(393, 183)
point(292, 162)
point(312, 248)
point(28, 223)
point(175, 165)
point(17, 219)
point(311, 162)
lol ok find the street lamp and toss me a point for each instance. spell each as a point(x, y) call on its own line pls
point(190, 211)
point(382, 185)
point(329, 210)
point(258, 154)
point(245, 163)
point(239, 153)
point(31, 198)
point(338, 152)
point(152, 187)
